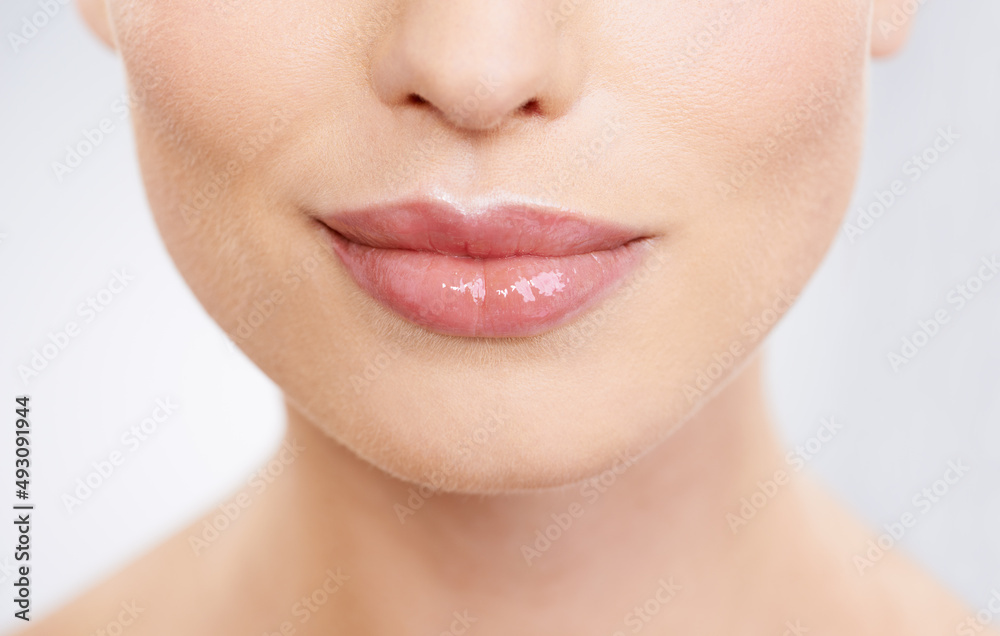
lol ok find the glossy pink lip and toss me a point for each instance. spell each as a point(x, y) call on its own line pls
point(509, 270)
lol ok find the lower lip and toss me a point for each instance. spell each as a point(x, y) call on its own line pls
point(516, 296)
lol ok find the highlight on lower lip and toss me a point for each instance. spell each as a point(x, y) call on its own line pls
point(513, 296)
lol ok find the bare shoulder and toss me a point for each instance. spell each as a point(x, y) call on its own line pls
point(160, 592)
point(911, 600)
point(925, 606)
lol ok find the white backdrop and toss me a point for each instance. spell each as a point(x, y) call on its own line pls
point(64, 235)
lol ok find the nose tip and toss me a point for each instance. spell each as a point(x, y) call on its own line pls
point(478, 64)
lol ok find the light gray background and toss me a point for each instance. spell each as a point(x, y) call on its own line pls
point(61, 241)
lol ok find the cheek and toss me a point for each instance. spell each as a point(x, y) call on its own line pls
point(230, 81)
point(225, 67)
point(731, 95)
point(748, 141)
point(793, 111)
point(224, 87)
point(760, 123)
point(792, 135)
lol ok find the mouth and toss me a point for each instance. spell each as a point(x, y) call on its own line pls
point(507, 270)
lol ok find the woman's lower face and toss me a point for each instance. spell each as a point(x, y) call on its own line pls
point(723, 134)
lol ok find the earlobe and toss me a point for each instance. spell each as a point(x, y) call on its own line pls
point(95, 14)
point(891, 22)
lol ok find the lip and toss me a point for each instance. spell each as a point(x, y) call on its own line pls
point(504, 270)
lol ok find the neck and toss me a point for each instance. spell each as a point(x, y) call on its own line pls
point(654, 541)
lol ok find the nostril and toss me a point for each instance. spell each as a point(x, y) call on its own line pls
point(531, 107)
point(525, 112)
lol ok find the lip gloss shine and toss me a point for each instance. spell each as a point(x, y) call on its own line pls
point(508, 271)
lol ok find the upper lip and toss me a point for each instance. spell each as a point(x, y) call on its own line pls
point(494, 231)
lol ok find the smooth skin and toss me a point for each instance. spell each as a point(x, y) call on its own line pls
point(428, 469)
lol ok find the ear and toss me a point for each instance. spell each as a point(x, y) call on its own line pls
point(95, 14)
point(891, 23)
